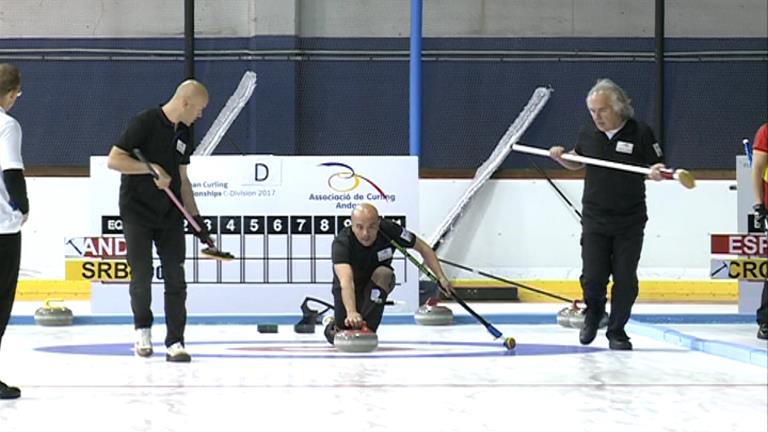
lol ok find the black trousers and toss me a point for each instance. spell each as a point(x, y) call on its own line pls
point(10, 261)
point(762, 311)
point(609, 254)
point(372, 312)
point(171, 248)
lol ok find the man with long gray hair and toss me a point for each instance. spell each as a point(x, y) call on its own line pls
point(614, 212)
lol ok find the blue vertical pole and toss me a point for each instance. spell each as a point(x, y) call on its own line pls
point(659, 55)
point(189, 48)
point(415, 79)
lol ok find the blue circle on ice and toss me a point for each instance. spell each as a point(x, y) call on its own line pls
point(281, 349)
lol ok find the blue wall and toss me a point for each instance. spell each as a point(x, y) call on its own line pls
point(76, 102)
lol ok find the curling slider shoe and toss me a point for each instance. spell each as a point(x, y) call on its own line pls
point(212, 252)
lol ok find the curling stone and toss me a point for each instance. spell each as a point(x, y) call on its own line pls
point(577, 319)
point(356, 340)
point(432, 314)
point(564, 317)
point(50, 315)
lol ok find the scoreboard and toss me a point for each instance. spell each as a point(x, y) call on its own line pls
point(267, 249)
point(277, 215)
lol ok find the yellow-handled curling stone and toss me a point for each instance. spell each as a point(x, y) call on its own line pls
point(53, 315)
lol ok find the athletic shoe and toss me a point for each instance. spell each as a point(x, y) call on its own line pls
point(143, 345)
point(177, 354)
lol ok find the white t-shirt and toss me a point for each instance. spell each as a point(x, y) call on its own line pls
point(613, 132)
point(10, 158)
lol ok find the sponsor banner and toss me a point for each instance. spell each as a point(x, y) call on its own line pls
point(739, 244)
point(276, 215)
point(97, 270)
point(95, 247)
point(753, 269)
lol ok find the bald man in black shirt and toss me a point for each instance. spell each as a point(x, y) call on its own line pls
point(362, 272)
point(162, 135)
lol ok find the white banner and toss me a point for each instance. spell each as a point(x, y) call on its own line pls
point(276, 215)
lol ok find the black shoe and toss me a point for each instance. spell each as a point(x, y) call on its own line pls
point(7, 392)
point(589, 331)
point(587, 334)
point(762, 331)
point(330, 332)
point(620, 344)
point(618, 340)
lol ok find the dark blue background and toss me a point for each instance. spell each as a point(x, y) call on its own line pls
point(75, 106)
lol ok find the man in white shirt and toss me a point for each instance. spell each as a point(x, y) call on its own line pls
point(14, 206)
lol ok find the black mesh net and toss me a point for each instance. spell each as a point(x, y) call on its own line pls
point(350, 96)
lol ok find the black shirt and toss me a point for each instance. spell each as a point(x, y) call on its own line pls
point(364, 260)
point(164, 144)
point(615, 199)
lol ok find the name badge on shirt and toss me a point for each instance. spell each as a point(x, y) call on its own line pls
point(385, 254)
point(657, 149)
point(624, 147)
point(181, 146)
